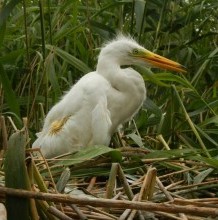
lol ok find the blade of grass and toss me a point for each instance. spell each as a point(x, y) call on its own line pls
point(6, 10)
point(9, 93)
point(16, 176)
point(70, 59)
point(191, 124)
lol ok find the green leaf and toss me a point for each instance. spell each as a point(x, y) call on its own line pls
point(203, 108)
point(148, 75)
point(84, 155)
point(6, 10)
point(202, 175)
point(208, 121)
point(10, 96)
point(115, 155)
point(93, 171)
point(2, 33)
point(9, 58)
point(204, 66)
point(16, 176)
point(170, 77)
point(69, 59)
point(62, 182)
point(151, 106)
point(139, 12)
point(206, 136)
point(210, 161)
point(50, 69)
point(169, 154)
point(137, 139)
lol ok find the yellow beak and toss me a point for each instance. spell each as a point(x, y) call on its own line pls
point(162, 62)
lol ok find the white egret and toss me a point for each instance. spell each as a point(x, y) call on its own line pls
point(100, 101)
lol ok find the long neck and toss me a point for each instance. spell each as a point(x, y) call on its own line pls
point(127, 93)
point(111, 70)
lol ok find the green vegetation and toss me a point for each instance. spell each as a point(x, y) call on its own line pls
point(46, 46)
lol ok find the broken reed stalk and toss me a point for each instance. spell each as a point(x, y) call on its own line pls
point(112, 181)
point(148, 185)
point(147, 206)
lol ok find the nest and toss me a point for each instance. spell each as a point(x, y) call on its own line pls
point(105, 183)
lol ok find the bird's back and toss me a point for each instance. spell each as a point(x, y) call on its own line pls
point(69, 124)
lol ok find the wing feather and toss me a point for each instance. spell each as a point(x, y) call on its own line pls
point(101, 123)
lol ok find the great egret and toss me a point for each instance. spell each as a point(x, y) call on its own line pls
point(100, 101)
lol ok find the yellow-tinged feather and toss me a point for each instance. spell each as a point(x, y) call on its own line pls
point(57, 125)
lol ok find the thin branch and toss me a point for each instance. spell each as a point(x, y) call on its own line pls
point(148, 206)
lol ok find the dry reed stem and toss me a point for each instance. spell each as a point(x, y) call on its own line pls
point(134, 211)
point(148, 185)
point(177, 172)
point(4, 135)
point(125, 183)
point(147, 206)
point(117, 195)
point(3, 212)
point(132, 215)
point(146, 191)
point(78, 212)
point(101, 212)
point(164, 190)
point(110, 188)
point(91, 184)
point(12, 123)
point(172, 185)
point(161, 139)
point(187, 191)
point(196, 184)
point(169, 216)
point(68, 211)
point(168, 195)
point(96, 216)
point(207, 200)
point(194, 203)
point(58, 213)
point(183, 216)
point(127, 211)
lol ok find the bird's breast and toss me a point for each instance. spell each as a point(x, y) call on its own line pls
point(126, 97)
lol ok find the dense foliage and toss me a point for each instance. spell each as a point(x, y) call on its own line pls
point(47, 46)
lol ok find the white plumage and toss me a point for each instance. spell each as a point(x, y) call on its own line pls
point(100, 101)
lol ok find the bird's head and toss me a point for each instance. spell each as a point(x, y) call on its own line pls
point(126, 51)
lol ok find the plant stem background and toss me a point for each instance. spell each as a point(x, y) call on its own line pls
point(46, 46)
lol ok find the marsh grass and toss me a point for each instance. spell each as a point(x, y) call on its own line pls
point(46, 46)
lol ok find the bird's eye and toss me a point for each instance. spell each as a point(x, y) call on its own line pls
point(135, 51)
